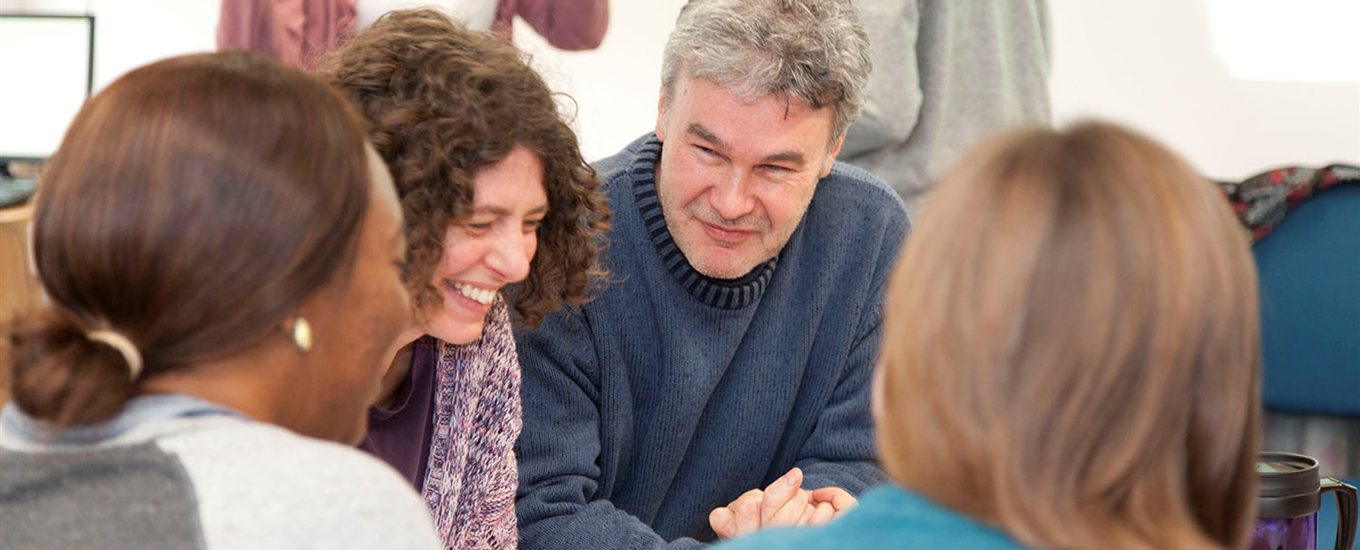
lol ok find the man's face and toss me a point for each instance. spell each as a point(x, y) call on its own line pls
point(736, 177)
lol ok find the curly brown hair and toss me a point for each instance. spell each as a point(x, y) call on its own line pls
point(443, 102)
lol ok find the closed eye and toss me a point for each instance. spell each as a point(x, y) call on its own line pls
point(707, 152)
point(478, 228)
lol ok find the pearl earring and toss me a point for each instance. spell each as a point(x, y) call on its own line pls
point(302, 335)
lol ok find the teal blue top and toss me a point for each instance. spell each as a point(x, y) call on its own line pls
point(887, 517)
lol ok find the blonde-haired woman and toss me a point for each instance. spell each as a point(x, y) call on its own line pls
point(1070, 358)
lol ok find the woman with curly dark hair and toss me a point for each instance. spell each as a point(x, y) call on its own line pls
point(496, 197)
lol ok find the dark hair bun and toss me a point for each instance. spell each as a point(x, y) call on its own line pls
point(60, 376)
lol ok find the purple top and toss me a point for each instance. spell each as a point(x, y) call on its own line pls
point(393, 433)
point(453, 431)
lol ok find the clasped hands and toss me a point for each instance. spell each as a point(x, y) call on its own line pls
point(783, 503)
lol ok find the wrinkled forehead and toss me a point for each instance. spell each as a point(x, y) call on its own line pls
point(713, 102)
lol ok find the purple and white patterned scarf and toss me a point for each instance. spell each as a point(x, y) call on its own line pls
point(471, 475)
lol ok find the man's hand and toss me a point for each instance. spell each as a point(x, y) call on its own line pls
point(783, 503)
point(830, 503)
point(741, 517)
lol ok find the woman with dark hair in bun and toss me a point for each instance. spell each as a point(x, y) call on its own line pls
point(222, 253)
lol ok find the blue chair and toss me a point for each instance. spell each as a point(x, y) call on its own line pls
point(1309, 270)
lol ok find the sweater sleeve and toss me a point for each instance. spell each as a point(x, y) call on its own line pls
point(559, 504)
point(567, 24)
point(894, 96)
point(840, 451)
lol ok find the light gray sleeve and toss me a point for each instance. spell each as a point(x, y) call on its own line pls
point(894, 95)
point(260, 486)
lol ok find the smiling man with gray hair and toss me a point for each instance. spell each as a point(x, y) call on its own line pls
point(721, 383)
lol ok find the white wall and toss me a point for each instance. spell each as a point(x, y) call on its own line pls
point(1193, 73)
point(1235, 85)
point(616, 85)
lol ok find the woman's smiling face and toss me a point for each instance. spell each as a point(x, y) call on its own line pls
point(489, 249)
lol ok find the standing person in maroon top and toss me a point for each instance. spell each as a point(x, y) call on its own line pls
point(502, 215)
point(298, 31)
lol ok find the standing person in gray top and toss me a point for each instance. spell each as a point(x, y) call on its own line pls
point(721, 384)
point(222, 250)
point(946, 74)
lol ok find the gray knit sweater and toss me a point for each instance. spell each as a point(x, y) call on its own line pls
point(175, 472)
point(946, 74)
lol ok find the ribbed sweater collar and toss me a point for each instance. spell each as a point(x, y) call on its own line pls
point(719, 293)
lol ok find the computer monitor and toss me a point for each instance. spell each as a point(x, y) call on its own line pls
point(46, 72)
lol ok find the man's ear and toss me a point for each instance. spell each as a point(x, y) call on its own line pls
point(661, 114)
point(831, 156)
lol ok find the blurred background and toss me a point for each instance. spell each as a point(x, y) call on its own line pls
point(1235, 85)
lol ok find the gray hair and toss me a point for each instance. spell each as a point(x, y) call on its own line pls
point(813, 51)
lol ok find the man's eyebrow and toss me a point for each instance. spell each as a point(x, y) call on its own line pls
point(696, 129)
point(791, 157)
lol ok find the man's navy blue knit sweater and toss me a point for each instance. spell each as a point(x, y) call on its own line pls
point(672, 393)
